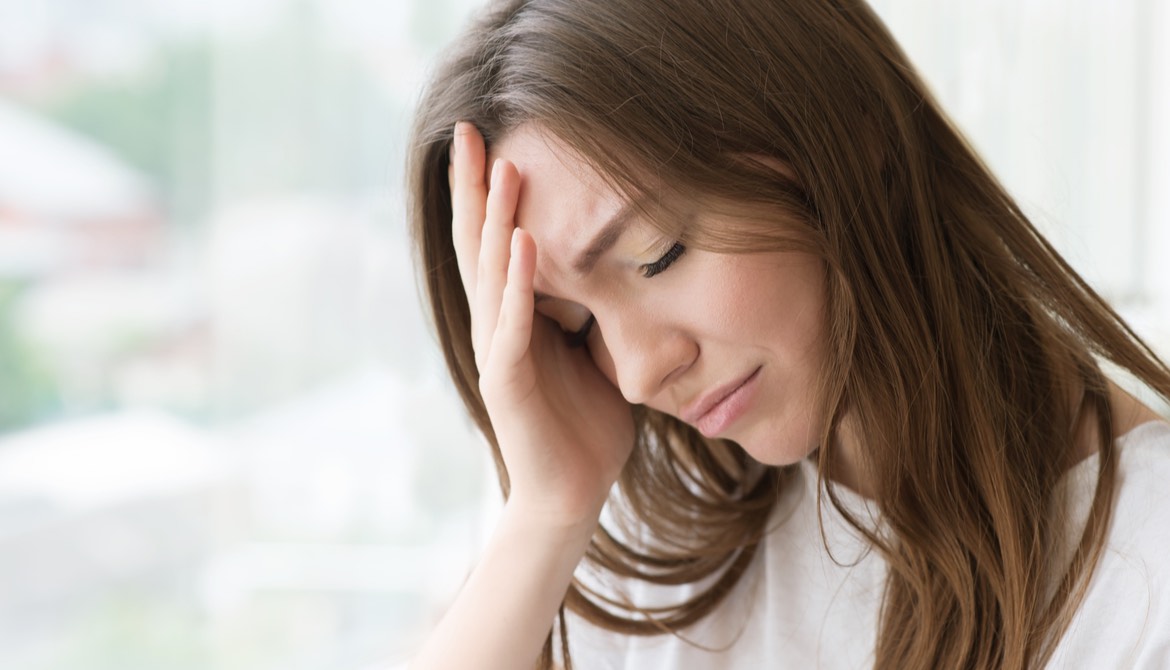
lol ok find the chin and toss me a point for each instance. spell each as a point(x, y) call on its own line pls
point(773, 456)
point(777, 449)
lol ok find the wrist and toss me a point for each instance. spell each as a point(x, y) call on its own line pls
point(548, 517)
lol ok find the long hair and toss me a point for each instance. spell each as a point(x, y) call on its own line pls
point(964, 348)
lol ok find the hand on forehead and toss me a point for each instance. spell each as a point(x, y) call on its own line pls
point(563, 203)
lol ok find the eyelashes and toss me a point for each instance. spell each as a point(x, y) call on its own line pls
point(671, 255)
point(580, 337)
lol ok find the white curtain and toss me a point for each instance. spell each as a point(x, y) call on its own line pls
point(1067, 101)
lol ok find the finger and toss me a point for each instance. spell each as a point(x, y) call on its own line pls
point(513, 335)
point(494, 252)
point(468, 197)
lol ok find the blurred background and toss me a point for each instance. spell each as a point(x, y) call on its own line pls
point(226, 436)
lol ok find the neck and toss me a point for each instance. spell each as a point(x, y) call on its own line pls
point(848, 465)
point(1127, 413)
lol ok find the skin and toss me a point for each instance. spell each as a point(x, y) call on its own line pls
point(706, 321)
point(562, 415)
point(564, 432)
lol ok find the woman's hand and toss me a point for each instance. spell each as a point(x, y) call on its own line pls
point(563, 429)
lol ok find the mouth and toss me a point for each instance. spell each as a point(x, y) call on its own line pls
point(716, 410)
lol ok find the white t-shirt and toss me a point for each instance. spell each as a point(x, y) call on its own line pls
point(796, 607)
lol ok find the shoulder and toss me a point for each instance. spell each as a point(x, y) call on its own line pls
point(1124, 620)
point(1143, 489)
point(1139, 535)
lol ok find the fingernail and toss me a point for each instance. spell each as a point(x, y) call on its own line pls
point(515, 241)
point(454, 141)
point(495, 171)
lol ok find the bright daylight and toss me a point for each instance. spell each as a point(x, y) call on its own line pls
point(228, 438)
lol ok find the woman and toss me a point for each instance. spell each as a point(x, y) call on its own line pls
point(731, 257)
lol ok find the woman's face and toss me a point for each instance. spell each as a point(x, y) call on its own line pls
point(729, 343)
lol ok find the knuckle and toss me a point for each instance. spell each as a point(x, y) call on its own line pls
point(482, 363)
point(490, 385)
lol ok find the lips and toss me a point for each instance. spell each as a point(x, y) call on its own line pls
point(714, 410)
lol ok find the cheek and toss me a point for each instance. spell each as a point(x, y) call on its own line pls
point(795, 293)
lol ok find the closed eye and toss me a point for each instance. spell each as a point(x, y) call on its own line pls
point(658, 266)
point(580, 337)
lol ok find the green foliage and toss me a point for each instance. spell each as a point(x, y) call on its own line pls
point(28, 392)
point(239, 118)
point(157, 120)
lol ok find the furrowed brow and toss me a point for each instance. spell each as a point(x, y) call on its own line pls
point(605, 239)
point(601, 243)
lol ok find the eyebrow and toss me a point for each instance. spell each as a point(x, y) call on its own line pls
point(605, 240)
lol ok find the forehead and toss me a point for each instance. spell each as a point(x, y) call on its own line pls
point(563, 200)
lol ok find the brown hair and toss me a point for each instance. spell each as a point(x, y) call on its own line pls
point(957, 337)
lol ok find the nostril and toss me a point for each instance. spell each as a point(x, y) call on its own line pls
point(677, 372)
point(646, 373)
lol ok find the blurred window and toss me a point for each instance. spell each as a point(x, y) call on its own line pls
point(227, 438)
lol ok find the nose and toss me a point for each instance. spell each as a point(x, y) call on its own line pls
point(642, 354)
